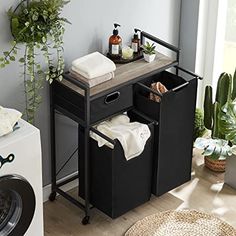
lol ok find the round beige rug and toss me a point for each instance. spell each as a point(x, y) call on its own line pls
point(181, 223)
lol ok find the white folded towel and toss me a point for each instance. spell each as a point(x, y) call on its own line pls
point(8, 119)
point(91, 82)
point(132, 136)
point(93, 65)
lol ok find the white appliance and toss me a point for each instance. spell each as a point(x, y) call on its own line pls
point(21, 204)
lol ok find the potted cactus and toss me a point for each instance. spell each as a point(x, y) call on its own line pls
point(216, 119)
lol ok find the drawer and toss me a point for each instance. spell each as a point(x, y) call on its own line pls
point(111, 103)
point(100, 108)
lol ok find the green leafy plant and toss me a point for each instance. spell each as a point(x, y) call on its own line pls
point(212, 110)
point(227, 116)
point(215, 148)
point(39, 26)
point(220, 118)
point(149, 48)
point(228, 121)
point(199, 128)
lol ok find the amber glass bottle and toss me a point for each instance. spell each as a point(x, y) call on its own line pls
point(136, 41)
point(115, 43)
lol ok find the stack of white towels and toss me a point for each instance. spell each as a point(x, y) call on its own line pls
point(93, 69)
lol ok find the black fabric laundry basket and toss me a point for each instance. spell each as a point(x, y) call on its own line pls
point(173, 138)
point(117, 185)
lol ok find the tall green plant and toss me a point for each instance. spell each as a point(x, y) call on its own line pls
point(227, 115)
point(220, 117)
point(39, 26)
point(225, 91)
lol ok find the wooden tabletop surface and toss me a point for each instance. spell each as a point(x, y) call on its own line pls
point(125, 73)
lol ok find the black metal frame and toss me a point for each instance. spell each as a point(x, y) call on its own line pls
point(88, 126)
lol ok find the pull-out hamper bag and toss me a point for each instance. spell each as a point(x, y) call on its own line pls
point(174, 134)
point(117, 185)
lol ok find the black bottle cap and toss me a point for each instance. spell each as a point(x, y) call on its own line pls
point(115, 31)
point(136, 33)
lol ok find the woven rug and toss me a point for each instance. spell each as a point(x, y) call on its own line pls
point(181, 223)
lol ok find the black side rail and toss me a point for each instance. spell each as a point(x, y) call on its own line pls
point(180, 87)
point(145, 117)
point(161, 42)
point(113, 142)
point(189, 72)
point(149, 89)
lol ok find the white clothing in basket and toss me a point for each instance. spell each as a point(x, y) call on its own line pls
point(132, 136)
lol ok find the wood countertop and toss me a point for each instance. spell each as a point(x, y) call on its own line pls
point(126, 74)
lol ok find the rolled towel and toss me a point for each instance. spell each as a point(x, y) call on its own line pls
point(159, 87)
point(93, 65)
point(92, 82)
point(8, 119)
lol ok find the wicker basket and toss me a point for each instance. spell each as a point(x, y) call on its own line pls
point(215, 165)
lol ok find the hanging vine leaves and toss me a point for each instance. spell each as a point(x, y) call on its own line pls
point(39, 26)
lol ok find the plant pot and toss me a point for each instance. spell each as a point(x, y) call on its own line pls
point(149, 58)
point(230, 171)
point(215, 164)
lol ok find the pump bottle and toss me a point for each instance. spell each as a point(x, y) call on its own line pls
point(136, 41)
point(115, 43)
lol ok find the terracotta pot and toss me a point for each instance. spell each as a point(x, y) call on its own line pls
point(215, 165)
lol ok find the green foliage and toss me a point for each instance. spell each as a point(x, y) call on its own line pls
point(39, 26)
point(220, 117)
point(208, 108)
point(224, 93)
point(199, 128)
point(228, 121)
point(149, 48)
point(215, 148)
point(234, 87)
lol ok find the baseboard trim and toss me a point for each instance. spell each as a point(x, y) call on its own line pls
point(66, 187)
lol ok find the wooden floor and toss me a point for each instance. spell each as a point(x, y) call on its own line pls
point(205, 192)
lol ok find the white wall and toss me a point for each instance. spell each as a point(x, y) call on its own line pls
point(92, 24)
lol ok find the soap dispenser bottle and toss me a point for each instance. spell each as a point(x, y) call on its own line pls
point(115, 43)
point(136, 41)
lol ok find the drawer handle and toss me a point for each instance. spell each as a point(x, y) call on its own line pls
point(110, 98)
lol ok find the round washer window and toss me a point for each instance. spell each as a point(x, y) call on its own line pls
point(10, 210)
point(17, 205)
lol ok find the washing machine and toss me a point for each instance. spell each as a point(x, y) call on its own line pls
point(21, 202)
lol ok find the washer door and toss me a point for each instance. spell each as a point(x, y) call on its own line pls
point(17, 205)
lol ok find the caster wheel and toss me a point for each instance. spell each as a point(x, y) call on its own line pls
point(52, 196)
point(85, 221)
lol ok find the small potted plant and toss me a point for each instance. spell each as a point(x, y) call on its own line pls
point(220, 118)
point(149, 52)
